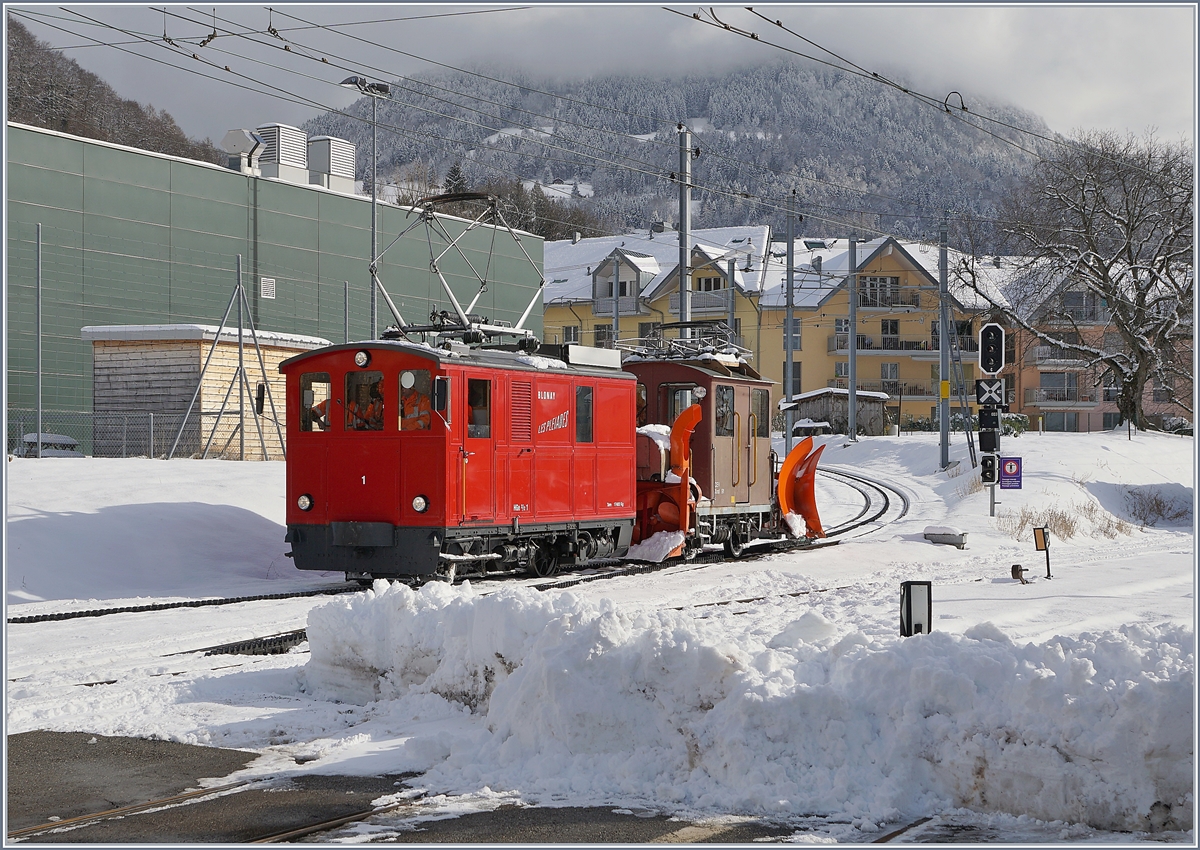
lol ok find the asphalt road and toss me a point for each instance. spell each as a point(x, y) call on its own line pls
point(56, 776)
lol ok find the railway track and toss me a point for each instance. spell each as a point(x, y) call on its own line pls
point(882, 504)
point(191, 603)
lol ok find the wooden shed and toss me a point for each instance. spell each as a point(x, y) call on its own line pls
point(832, 405)
point(145, 376)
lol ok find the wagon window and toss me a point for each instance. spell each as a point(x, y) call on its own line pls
point(365, 399)
point(583, 414)
point(679, 399)
point(723, 411)
point(479, 408)
point(314, 401)
point(760, 409)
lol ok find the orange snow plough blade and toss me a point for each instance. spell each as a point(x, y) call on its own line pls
point(796, 488)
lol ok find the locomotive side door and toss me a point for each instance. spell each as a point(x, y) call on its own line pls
point(476, 455)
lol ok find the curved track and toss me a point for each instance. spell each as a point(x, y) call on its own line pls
point(883, 503)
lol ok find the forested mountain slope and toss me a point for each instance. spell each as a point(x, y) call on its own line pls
point(859, 153)
point(48, 90)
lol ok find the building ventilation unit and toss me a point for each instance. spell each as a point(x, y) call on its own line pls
point(331, 163)
point(245, 150)
point(285, 153)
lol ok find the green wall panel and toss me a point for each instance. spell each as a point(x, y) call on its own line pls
point(45, 188)
point(130, 237)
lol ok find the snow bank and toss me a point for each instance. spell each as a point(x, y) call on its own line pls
point(594, 700)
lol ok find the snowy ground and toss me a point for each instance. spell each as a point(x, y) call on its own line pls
point(1058, 710)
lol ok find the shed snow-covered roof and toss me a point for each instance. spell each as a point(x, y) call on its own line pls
point(198, 332)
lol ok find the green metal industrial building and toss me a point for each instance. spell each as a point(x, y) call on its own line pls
point(130, 237)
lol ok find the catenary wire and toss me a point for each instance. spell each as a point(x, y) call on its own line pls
point(762, 202)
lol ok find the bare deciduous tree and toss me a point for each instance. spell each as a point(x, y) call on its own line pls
point(1108, 219)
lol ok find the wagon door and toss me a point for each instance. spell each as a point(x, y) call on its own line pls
point(759, 435)
point(731, 477)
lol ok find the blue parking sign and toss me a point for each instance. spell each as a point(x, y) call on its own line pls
point(1010, 473)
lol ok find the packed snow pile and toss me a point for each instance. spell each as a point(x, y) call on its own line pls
point(597, 700)
point(657, 548)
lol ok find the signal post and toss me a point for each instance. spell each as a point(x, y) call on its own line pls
point(989, 394)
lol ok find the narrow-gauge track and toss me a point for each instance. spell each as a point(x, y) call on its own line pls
point(175, 799)
point(879, 501)
point(878, 498)
point(191, 603)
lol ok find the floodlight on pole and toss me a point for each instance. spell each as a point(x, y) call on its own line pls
point(373, 91)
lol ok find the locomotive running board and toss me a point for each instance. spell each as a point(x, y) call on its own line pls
point(796, 487)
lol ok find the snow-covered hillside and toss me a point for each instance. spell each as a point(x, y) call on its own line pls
point(776, 687)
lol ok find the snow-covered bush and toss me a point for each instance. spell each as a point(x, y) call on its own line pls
point(1151, 505)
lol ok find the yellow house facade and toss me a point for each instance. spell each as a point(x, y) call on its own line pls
point(738, 277)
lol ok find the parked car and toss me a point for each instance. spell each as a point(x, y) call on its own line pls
point(53, 445)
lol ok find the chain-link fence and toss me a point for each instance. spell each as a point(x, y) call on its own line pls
point(137, 433)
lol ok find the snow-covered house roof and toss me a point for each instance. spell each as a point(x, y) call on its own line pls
point(761, 265)
point(821, 272)
point(569, 265)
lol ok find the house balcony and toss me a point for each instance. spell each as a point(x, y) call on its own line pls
point(704, 303)
point(1053, 355)
point(902, 389)
point(889, 298)
point(840, 344)
point(630, 306)
point(1060, 398)
point(1076, 315)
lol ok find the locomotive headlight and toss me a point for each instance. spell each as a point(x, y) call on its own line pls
point(305, 502)
point(420, 504)
point(362, 358)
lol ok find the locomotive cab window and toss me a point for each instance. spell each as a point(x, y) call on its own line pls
point(365, 399)
point(441, 397)
point(583, 414)
point(314, 401)
point(760, 409)
point(479, 408)
point(415, 414)
point(723, 412)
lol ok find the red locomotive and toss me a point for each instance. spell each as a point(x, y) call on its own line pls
point(414, 461)
point(411, 462)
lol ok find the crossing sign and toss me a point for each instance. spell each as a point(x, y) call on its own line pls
point(990, 391)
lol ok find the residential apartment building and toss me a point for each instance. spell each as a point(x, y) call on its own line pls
point(1061, 389)
point(738, 276)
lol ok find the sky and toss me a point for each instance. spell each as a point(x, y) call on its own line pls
point(1055, 710)
point(1128, 68)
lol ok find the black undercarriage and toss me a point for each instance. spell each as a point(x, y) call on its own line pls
point(365, 551)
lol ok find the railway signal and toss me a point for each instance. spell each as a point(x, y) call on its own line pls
point(988, 469)
point(991, 349)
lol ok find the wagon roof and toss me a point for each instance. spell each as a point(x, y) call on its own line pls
point(484, 357)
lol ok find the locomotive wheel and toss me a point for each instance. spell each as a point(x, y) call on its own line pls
point(448, 573)
point(541, 563)
point(735, 545)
